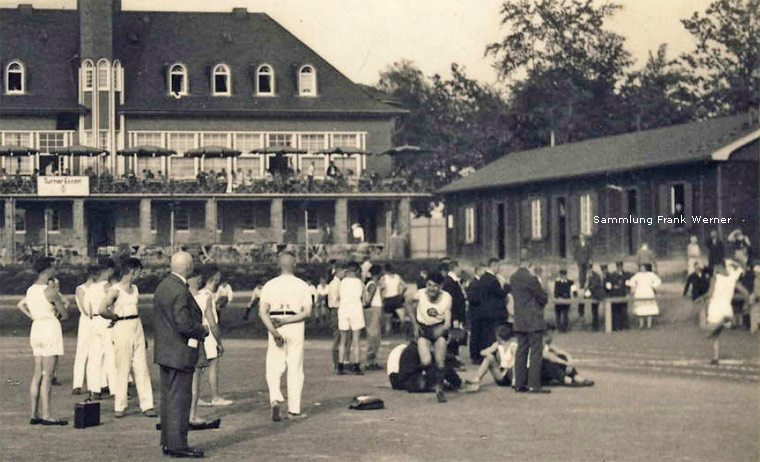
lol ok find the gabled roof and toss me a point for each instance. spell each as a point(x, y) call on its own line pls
point(47, 43)
point(149, 42)
point(677, 144)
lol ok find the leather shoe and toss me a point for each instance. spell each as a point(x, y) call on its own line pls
point(187, 453)
point(539, 390)
point(521, 389)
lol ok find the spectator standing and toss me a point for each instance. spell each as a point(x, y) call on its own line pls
point(583, 254)
point(562, 289)
point(645, 256)
point(373, 312)
point(740, 246)
point(488, 310)
point(644, 285)
point(452, 285)
point(595, 291)
point(616, 285)
point(693, 254)
point(715, 251)
point(333, 298)
point(530, 299)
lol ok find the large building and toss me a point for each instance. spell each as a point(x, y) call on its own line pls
point(103, 77)
point(619, 191)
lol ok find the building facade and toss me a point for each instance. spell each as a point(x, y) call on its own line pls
point(620, 192)
point(103, 77)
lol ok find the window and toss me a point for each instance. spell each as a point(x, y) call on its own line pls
point(104, 75)
point(347, 165)
point(182, 167)
point(535, 219)
point(307, 81)
point(181, 142)
point(320, 165)
point(252, 163)
point(586, 212)
point(469, 225)
point(88, 70)
point(152, 164)
point(147, 138)
point(249, 219)
point(51, 140)
point(20, 221)
point(677, 202)
point(312, 143)
point(54, 221)
point(103, 139)
point(14, 78)
point(265, 80)
point(117, 80)
point(280, 140)
point(181, 219)
point(312, 219)
point(18, 139)
point(345, 140)
point(247, 142)
point(220, 81)
point(215, 139)
point(178, 80)
point(214, 163)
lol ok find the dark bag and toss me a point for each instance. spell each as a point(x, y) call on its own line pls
point(366, 403)
point(458, 335)
point(86, 414)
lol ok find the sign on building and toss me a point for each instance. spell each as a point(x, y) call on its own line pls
point(63, 186)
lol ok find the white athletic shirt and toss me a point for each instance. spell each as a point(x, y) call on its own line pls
point(377, 300)
point(94, 297)
point(322, 290)
point(313, 292)
point(225, 290)
point(39, 306)
point(286, 293)
point(84, 288)
point(392, 284)
point(430, 313)
point(126, 304)
point(351, 292)
point(365, 269)
point(202, 298)
point(333, 293)
point(394, 359)
point(507, 355)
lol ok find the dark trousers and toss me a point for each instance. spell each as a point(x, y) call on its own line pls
point(176, 395)
point(595, 316)
point(482, 335)
point(528, 343)
point(582, 268)
point(562, 318)
point(620, 316)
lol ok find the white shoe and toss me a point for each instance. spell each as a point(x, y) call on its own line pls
point(203, 403)
point(221, 402)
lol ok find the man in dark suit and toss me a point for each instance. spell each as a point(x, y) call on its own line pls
point(488, 310)
point(178, 334)
point(615, 286)
point(530, 299)
point(583, 254)
point(715, 251)
point(595, 289)
point(452, 285)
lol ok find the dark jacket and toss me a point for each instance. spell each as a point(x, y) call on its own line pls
point(583, 254)
point(488, 299)
point(458, 299)
point(176, 319)
point(530, 299)
point(562, 288)
point(715, 252)
point(617, 282)
point(595, 285)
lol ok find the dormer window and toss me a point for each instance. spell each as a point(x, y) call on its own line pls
point(88, 70)
point(307, 81)
point(104, 75)
point(178, 80)
point(14, 79)
point(265, 80)
point(220, 81)
point(117, 80)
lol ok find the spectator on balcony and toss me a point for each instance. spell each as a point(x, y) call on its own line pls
point(310, 176)
point(332, 170)
point(201, 178)
point(150, 175)
point(358, 233)
point(222, 176)
point(248, 179)
point(237, 178)
point(3, 175)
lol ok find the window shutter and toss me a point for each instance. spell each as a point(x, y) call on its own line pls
point(595, 211)
point(478, 225)
point(525, 220)
point(574, 211)
point(688, 207)
point(663, 199)
point(460, 224)
point(544, 218)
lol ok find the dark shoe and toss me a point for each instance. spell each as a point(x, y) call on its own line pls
point(150, 413)
point(214, 424)
point(340, 370)
point(77, 391)
point(357, 370)
point(55, 382)
point(440, 396)
point(714, 362)
point(35, 421)
point(539, 390)
point(53, 422)
point(521, 389)
point(188, 453)
point(105, 391)
point(277, 411)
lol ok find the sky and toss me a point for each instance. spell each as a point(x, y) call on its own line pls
point(362, 37)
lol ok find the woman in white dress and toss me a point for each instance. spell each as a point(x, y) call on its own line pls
point(723, 284)
point(644, 285)
point(43, 305)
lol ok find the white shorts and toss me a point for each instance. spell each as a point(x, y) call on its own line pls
point(718, 313)
point(46, 337)
point(350, 319)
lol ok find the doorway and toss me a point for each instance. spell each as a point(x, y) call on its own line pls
point(562, 227)
point(501, 230)
point(631, 234)
point(101, 228)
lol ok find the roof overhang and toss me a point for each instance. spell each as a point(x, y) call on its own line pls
point(252, 113)
point(41, 111)
point(725, 152)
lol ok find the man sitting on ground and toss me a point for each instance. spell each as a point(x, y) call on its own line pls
point(405, 373)
point(499, 359)
point(558, 367)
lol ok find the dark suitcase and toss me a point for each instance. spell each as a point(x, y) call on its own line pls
point(86, 414)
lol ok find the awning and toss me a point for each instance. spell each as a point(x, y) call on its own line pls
point(212, 151)
point(78, 150)
point(16, 151)
point(147, 151)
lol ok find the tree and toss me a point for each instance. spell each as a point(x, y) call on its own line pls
point(562, 67)
point(726, 59)
point(660, 94)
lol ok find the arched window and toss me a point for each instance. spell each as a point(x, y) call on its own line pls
point(265, 80)
point(178, 80)
point(88, 75)
point(307, 81)
point(15, 78)
point(104, 75)
point(117, 77)
point(220, 81)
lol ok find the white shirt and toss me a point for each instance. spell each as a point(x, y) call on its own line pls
point(333, 293)
point(286, 293)
point(351, 292)
point(392, 284)
point(507, 355)
point(322, 290)
point(126, 303)
point(94, 297)
point(365, 269)
point(225, 290)
point(430, 313)
point(358, 233)
point(394, 359)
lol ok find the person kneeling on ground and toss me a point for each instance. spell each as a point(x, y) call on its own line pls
point(558, 367)
point(404, 371)
point(499, 359)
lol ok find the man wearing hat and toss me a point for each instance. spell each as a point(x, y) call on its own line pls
point(615, 286)
point(530, 299)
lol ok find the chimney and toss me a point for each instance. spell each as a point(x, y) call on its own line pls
point(96, 27)
point(240, 13)
point(25, 9)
